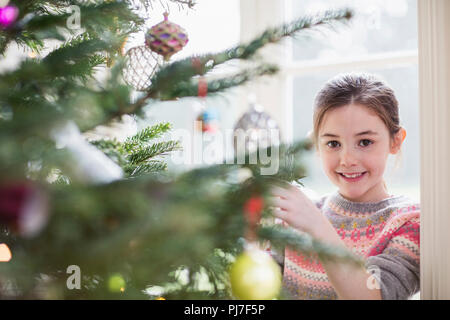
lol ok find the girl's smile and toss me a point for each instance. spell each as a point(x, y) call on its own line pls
point(352, 177)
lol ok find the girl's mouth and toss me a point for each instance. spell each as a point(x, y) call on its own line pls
point(353, 177)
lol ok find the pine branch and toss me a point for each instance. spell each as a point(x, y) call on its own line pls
point(78, 47)
point(78, 57)
point(166, 87)
point(189, 3)
point(113, 149)
point(199, 65)
point(303, 243)
point(190, 89)
point(164, 81)
point(157, 149)
point(134, 155)
point(146, 135)
point(37, 22)
point(148, 4)
point(101, 17)
point(150, 166)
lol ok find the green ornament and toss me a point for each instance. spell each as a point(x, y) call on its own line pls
point(255, 276)
point(116, 283)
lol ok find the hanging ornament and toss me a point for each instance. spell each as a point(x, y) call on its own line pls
point(23, 208)
point(255, 276)
point(253, 210)
point(116, 283)
point(8, 15)
point(166, 38)
point(208, 119)
point(254, 130)
point(141, 64)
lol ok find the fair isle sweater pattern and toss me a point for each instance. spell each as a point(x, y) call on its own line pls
point(385, 233)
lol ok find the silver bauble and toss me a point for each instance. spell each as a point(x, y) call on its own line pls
point(255, 129)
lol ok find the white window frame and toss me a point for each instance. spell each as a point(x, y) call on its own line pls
point(433, 61)
point(434, 98)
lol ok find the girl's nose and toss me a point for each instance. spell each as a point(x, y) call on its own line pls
point(347, 158)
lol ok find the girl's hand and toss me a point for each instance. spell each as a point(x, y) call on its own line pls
point(293, 207)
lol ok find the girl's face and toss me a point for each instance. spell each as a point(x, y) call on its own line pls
point(354, 145)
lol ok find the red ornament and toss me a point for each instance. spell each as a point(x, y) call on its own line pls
point(12, 198)
point(23, 208)
point(208, 119)
point(253, 209)
point(202, 87)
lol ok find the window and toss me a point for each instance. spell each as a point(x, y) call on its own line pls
point(380, 39)
point(212, 26)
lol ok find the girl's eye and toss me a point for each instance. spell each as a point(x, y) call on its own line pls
point(332, 144)
point(365, 142)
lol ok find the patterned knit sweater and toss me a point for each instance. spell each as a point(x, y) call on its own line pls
point(385, 233)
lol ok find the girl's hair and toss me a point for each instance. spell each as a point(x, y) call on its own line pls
point(357, 88)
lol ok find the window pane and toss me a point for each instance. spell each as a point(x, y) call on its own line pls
point(212, 26)
point(404, 80)
point(377, 27)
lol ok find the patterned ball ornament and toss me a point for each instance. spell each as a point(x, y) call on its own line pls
point(140, 65)
point(166, 38)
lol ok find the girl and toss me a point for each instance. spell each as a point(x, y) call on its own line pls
point(356, 127)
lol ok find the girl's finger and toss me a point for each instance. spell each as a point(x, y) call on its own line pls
point(280, 192)
point(279, 213)
point(278, 202)
point(295, 192)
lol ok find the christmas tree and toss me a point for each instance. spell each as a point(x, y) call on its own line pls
point(91, 218)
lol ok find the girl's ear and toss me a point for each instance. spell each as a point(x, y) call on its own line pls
point(398, 141)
